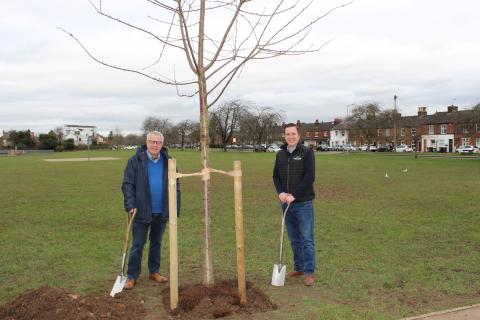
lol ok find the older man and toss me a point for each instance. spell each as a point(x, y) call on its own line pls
point(145, 188)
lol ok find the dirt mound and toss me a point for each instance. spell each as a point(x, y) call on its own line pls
point(59, 304)
point(221, 300)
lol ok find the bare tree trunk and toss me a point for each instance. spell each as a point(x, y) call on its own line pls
point(202, 90)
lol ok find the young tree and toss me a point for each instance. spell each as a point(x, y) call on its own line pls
point(217, 39)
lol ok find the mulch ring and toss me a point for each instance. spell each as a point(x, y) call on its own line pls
point(59, 304)
point(221, 300)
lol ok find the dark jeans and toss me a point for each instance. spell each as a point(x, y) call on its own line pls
point(139, 235)
point(299, 221)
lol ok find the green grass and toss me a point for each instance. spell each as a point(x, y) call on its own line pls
point(386, 248)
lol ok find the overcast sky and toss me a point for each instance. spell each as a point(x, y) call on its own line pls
point(424, 51)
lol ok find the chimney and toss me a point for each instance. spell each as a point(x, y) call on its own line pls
point(422, 111)
point(452, 109)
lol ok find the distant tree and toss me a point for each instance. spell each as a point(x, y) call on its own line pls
point(49, 140)
point(110, 136)
point(194, 136)
point(134, 139)
point(365, 120)
point(156, 124)
point(184, 129)
point(476, 113)
point(226, 119)
point(69, 144)
point(59, 132)
point(117, 138)
point(21, 139)
point(259, 121)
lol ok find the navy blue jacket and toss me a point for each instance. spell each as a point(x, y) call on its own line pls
point(136, 189)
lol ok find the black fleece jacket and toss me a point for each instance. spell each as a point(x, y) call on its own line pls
point(294, 172)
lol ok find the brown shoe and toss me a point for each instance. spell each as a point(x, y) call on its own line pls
point(295, 274)
point(309, 280)
point(130, 284)
point(157, 277)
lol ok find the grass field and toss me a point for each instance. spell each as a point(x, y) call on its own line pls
point(386, 248)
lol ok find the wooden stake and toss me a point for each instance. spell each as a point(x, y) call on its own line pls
point(172, 227)
point(237, 188)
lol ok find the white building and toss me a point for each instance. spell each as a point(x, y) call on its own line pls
point(79, 134)
point(437, 142)
point(338, 135)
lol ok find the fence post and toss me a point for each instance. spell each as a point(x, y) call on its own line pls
point(172, 229)
point(237, 188)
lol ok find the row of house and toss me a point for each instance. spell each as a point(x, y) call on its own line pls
point(81, 135)
point(439, 132)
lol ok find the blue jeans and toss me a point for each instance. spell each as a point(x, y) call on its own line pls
point(139, 235)
point(299, 221)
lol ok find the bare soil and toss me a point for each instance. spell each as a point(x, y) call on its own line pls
point(221, 300)
point(195, 302)
point(59, 304)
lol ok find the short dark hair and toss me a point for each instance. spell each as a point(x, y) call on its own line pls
point(290, 125)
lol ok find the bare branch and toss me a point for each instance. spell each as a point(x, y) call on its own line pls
point(306, 26)
point(170, 82)
point(186, 40)
point(99, 11)
point(163, 48)
point(225, 35)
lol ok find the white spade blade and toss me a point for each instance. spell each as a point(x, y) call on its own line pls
point(118, 285)
point(278, 276)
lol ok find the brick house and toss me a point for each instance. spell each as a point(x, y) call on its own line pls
point(443, 131)
point(318, 133)
point(446, 131)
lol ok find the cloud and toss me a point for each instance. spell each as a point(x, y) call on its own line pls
point(379, 48)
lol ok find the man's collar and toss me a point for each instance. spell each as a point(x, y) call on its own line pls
point(152, 157)
point(292, 148)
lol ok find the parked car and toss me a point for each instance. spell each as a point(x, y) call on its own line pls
point(129, 147)
point(335, 148)
point(260, 148)
point(349, 147)
point(366, 148)
point(273, 148)
point(403, 148)
point(322, 147)
point(467, 149)
point(383, 149)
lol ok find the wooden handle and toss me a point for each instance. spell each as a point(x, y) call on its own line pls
point(129, 225)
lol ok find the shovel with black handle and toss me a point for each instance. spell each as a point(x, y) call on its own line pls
point(122, 278)
point(280, 270)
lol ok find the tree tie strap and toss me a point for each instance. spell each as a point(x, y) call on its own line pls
point(205, 173)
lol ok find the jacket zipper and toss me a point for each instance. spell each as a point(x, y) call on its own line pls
point(288, 173)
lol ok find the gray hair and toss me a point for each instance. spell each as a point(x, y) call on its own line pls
point(155, 133)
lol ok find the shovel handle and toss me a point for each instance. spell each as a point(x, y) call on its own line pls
point(127, 233)
point(284, 213)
